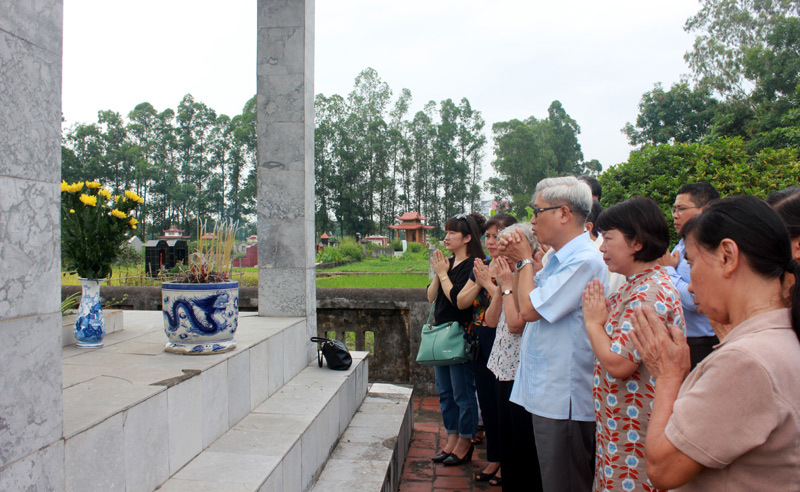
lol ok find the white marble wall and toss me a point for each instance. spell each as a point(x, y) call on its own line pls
point(31, 449)
point(286, 159)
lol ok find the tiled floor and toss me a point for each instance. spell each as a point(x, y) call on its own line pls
point(419, 473)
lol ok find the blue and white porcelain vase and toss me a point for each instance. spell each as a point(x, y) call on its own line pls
point(200, 319)
point(90, 327)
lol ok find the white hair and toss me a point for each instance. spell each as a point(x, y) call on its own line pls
point(523, 229)
point(569, 190)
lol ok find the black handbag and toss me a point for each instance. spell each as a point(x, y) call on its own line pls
point(335, 352)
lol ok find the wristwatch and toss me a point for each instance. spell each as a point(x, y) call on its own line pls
point(522, 263)
point(507, 292)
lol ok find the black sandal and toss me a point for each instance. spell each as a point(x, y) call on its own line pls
point(496, 481)
point(485, 477)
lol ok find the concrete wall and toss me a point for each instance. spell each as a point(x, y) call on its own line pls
point(31, 445)
point(394, 316)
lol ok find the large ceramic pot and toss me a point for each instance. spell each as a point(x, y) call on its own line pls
point(200, 319)
point(90, 327)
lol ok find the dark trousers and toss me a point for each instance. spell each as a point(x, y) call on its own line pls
point(487, 394)
point(566, 454)
point(700, 347)
point(519, 462)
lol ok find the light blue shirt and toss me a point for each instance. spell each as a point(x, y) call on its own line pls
point(554, 375)
point(697, 324)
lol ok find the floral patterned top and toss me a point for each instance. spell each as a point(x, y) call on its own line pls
point(623, 406)
point(504, 358)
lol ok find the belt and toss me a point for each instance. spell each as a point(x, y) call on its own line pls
point(712, 340)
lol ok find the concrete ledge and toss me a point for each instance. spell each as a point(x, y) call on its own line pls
point(145, 413)
point(371, 452)
point(283, 443)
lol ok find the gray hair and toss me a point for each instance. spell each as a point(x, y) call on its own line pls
point(569, 190)
point(524, 229)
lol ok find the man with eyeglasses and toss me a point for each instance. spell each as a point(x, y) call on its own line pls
point(692, 198)
point(554, 375)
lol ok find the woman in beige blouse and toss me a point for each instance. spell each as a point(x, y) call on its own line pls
point(734, 423)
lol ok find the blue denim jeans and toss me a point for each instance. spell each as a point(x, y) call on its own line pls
point(456, 387)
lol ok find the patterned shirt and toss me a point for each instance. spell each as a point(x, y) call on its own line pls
point(623, 406)
point(504, 359)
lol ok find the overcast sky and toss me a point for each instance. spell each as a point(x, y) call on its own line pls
point(510, 58)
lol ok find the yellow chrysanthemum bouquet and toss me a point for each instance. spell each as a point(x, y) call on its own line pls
point(94, 225)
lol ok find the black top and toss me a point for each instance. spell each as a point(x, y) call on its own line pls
point(448, 311)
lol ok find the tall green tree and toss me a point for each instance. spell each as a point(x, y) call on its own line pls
point(682, 114)
point(528, 151)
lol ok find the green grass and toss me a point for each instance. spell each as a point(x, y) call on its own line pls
point(389, 273)
point(384, 281)
point(393, 265)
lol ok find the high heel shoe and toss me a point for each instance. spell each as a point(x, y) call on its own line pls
point(454, 460)
point(440, 457)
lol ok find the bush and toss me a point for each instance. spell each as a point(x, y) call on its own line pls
point(657, 171)
point(351, 251)
point(416, 248)
point(396, 245)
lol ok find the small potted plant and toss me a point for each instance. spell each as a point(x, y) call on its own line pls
point(201, 306)
point(94, 226)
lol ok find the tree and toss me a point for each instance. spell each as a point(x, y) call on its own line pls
point(528, 151)
point(681, 114)
point(727, 29)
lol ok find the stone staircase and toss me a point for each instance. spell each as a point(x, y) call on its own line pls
point(263, 417)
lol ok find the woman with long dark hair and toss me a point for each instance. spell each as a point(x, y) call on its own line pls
point(456, 383)
point(734, 422)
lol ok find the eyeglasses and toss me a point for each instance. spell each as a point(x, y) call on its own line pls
point(537, 211)
point(680, 210)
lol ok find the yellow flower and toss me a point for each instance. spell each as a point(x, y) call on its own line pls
point(119, 214)
point(116, 198)
point(88, 200)
point(133, 227)
point(72, 210)
point(133, 196)
point(133, 222)
point(93, 184)
point(71, 188)
point(104, 193)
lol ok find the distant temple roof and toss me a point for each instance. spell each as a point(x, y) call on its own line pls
point(412, 216)
point(173, 233)
point(410, 221)
point(324, 236)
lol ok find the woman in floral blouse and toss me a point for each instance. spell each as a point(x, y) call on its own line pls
point(635, 236)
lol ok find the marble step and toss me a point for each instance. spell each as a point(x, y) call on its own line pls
point(134, 415)
point(283, 444)
point(370, 454)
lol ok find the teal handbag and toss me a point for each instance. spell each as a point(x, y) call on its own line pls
point(442, 345)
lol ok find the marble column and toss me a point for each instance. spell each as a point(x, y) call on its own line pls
point(31, 445)
point(286, 285)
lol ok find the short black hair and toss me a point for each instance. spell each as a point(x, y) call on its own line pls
point(501, 221)
point(787, 203)
point(640, 219)
point(593, 215)
point(701, 193)
point(597, 190)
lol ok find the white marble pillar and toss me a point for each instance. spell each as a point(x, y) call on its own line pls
point(31, 445)
point(286, 285)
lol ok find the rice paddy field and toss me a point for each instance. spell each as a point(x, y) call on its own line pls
point(381, 273)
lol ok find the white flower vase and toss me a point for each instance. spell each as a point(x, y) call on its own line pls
point(90, 327)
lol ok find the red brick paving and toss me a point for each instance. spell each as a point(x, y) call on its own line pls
point(420, 474)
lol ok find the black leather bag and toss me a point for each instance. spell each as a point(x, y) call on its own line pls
point(335, 352)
